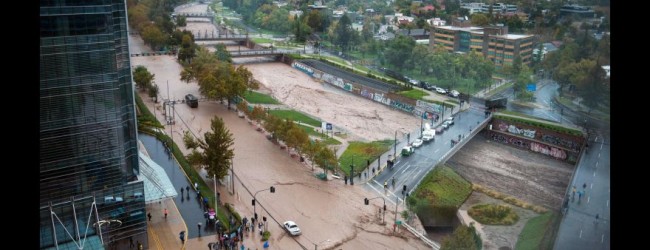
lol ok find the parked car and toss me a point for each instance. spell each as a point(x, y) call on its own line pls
point(454, 93)
point(292, 228)
point(408, 150)
point(417, 143)
point(450, 120)
point(191, 100)
point(444, 125)
point(439, 130)
point(441, 91)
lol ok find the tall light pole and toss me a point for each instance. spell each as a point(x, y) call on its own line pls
point(254, 211)
point(367, 201)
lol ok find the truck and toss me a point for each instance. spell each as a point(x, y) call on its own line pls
point(496, 103)
point(427, 135)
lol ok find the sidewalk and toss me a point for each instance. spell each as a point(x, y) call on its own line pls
point(164, 233)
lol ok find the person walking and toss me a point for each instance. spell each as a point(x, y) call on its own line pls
point(166, 212)
point(393, 182)
point(199, 225)
point(149, 216)
point(131, 242)
point(584, 186)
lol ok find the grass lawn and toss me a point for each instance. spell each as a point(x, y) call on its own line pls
point(493, 214)
point(324, 138)
point(296, 117)
point(444, 187)
point(414, 94)
point(361, 152)
point(253, 97)
point(261, 40)
point(498, 89)
point(537, 122)
point(538, 233)
point(524, 115)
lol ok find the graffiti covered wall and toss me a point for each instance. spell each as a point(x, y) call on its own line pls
point(387, 98)
point(564, 147)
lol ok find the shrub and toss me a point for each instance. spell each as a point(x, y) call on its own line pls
point(491, 214)
point(266, 235)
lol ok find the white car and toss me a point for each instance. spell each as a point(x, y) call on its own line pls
point(441, 91)
point(292, 228)
point(417, 143)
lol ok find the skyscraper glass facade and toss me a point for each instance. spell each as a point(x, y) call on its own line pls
point(88, 142)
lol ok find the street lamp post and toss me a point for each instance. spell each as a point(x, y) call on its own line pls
point(272, 189)
point(367, 201)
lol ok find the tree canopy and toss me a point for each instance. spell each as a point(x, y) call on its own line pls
point(214, 152)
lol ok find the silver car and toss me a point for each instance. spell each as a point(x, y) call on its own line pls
point(292, 228)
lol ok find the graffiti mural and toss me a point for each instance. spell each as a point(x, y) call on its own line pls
point(547, 150)
point(379, 97)
point(402, 106)
point(525, 132)
point(303, 68)
point(499, 138)
point(561, 142)
point(365, 93)
point(502, 127)
point(519, 142)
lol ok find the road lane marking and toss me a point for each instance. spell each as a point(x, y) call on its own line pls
point(598, 155)
point(601, 146)
point(602, 238)
point(588, 199)
point(596, 164)
point(580, 234)
point(596, 140)
point(594, 173)
point(436, 151)
point(591, 186)
point(607, 203)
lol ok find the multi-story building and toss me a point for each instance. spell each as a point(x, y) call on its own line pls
point(494, 41)
point(90, 194)
point(485, 8)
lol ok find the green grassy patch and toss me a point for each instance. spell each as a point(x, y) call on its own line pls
point(324, 138)
point(296, 117)
point(259, 40)
point(444, 187)
point(539, 232)
point(259, 98)
point(498, 89)
point(414, 94)
point(536, 122)
point(361, 153)
point(523, 115)
point(493, 214)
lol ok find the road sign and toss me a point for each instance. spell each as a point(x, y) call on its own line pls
point(329, 126)
point(531, 87)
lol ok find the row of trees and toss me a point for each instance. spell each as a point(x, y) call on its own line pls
point(218, 79)
point(144, 81)
point(293, 136)
point(152, 19)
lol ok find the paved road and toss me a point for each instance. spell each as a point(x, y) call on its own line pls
point(579, 229)
point(410, 170)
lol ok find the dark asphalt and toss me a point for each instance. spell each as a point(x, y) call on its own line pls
point(188, 205)
point(350, 76)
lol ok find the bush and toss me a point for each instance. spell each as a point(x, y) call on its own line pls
point(266, 235)
point(492, 214)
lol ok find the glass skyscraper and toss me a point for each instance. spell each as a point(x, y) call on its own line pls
point(88, 158)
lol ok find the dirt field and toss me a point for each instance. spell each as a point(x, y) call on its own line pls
point(526, 175)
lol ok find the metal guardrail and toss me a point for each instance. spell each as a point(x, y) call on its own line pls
point(426, 240)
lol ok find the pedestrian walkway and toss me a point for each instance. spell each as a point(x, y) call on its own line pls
point(164, 233)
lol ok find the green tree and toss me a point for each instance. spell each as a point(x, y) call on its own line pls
point(343, 33)
point(188, 49)
point(142, 77)
point(222, 53)
point(314, 20)
point(152, 36)
point(181, 21)
point(463, 238)
point(153, 92)
point(214, 153)
point(398, 49)
point(479, 19)
point(326, 159)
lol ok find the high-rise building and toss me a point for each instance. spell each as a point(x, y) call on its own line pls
point(90, 195)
